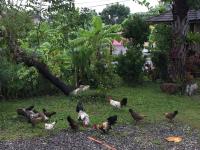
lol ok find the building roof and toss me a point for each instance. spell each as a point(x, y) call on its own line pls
point(117, 43)
point(167, 17)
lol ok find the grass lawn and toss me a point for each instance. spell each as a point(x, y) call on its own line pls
point(146, 99)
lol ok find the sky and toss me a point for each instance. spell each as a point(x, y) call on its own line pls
point(99, 5)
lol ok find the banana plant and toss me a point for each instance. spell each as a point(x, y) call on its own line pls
point(93, 45)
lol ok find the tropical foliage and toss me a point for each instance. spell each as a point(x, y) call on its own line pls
point(91, 52)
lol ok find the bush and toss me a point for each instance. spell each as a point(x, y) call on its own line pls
point(18, 81)
point(103, 76)
point(91, 96)
point(135, 29)
point(130, 65)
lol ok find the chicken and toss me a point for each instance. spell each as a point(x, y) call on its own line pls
point(38, 117)
point(171, 115)
point(82, 115)
point(22, 111)
point(73, 124)
point(137, 117)
point(36, 120)
point(50, 126)
point(118, 104)
point(48, 114)
point(191, 89)
point(80, 89)
point(26, 112)
point(106, 126)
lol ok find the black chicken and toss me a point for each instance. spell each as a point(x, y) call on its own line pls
point(73, 124)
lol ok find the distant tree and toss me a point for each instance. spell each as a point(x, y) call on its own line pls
point(115, 13)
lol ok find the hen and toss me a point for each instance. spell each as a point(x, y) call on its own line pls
point(136, 116)
point(73, 124)
point(38, 117)
point(106, 126)
point(118, 104)
point(171, 115)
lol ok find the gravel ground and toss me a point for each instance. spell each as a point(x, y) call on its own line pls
point(145, 136)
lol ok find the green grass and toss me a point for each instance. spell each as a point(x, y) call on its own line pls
point(146, 99)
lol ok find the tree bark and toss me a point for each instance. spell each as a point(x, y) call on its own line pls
point(178, 53)
point(20, 56)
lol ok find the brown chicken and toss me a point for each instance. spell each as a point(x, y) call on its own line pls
point(137, 117)
point(36, 120)
point(171, 115)
point(73, 124)
point(38, 117)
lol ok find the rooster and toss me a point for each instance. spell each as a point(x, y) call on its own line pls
point(137, 117)
point(171, 115)
point(106, 126)
point(73, 124)
point(82, 115)
point(48, 114)
point(117, 104)
point(50, 126)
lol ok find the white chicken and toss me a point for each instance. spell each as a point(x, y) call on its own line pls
point(82, 115)
point(49, 126)
point(118, 104)
point(80, 89)
point(191, 89)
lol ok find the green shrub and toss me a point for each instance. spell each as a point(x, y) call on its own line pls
point(135, 29)
point(104, 77)
point(130, 65)
point(91, 96)
point(18, 81)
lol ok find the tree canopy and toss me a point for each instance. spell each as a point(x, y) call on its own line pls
point(115, 13)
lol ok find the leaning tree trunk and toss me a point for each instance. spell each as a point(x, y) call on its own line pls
point(20, 56)
point(178, 53)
